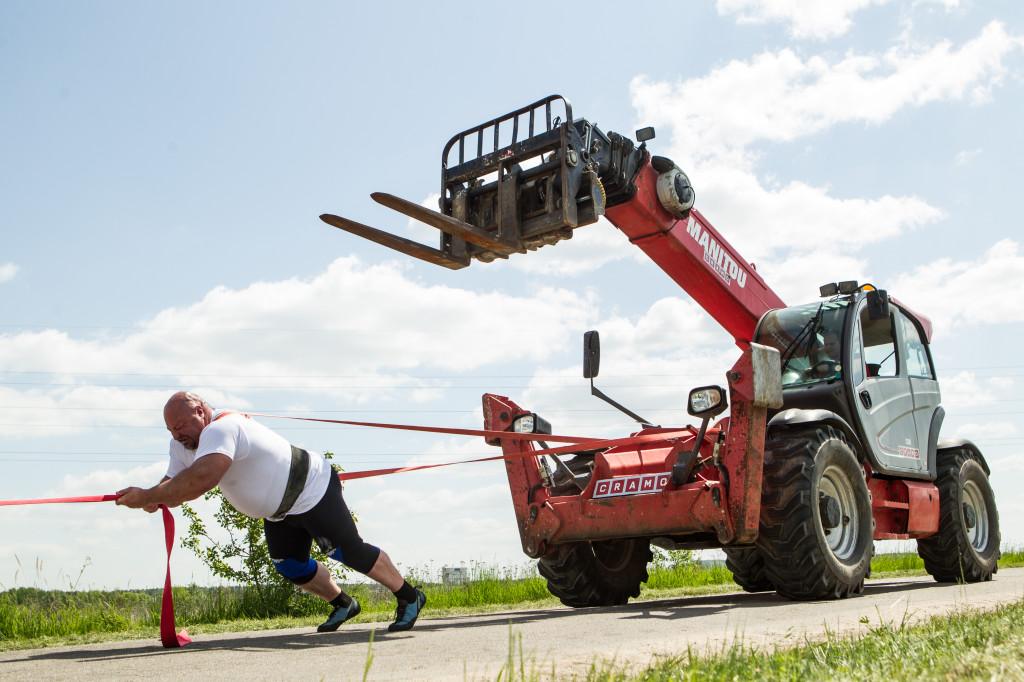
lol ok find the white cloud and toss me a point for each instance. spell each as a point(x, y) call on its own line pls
point(716, 121)
point(589, 248)
point(982, 431)
point(811, 19)
point(947, 5)
point(104, 481)
point(806, 18)
point(775, 224)
point(796, 278)
point(779, 96)
point(648, 363)
point(966, 389)
point(7, 272)
point(419, 231)
point(967, 291)
point(966, 156)
point(30, 412)
point(371, 324)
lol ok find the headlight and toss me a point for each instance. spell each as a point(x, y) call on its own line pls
point(706, 401)
point(531, 423)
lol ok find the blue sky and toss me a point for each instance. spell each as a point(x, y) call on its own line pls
point(162, 169)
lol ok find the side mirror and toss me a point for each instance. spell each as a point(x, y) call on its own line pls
point(878, 304)
point(706, 402)
point(591, 354)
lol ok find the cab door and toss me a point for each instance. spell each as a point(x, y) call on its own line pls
point(923, 385)
point(882, 395)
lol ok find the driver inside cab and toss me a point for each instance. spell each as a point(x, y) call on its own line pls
point(826, 357)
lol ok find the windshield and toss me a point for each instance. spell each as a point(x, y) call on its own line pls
point(809, 341)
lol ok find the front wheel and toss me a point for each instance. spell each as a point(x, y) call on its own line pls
point(599, 573)
point(966, 546)
point(816, 533)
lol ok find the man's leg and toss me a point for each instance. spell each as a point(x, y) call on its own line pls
point(322, 584)
point(330, 524)
point(386, 573)
point(289, 547)
point(411, 600)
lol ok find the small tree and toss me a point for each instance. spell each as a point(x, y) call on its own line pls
point(672, 558)
point(243, 559)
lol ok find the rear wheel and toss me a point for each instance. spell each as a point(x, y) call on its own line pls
point(966, 546)
point(600, 573)
point(747, 566)
point(816, 533)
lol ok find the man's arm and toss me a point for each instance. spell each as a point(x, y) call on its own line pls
point(153, 507)
point(199, 478)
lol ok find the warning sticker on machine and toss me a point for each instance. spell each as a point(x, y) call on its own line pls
point(905, 451)
point(631, 485)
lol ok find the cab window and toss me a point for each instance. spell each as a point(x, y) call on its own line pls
point(809, 341)
point(856, 357)
point(914, 349)
point(880, 356)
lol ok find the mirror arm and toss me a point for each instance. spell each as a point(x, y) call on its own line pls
point(687, 459)
point(595, 391)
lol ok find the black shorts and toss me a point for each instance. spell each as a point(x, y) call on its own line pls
point(330, 524)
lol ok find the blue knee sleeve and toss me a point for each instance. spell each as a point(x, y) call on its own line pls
point(337, 555)
point(297, 571)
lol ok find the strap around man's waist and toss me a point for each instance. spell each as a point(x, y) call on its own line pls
point(297, 472)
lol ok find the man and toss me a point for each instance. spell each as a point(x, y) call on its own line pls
point(832, 345)
point(826, 356)
point(295, 492)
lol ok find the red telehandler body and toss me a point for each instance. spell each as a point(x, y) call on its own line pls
point(832, 440)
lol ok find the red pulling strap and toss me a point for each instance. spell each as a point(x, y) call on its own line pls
point(168, 637)
point(595, 444)
point(509, 435)
point(59, 500)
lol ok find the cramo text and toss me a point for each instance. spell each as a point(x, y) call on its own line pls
point(715, 255)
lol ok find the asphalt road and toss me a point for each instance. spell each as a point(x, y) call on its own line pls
point(477, 647)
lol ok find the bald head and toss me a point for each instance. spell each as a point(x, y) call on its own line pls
point(186, 415)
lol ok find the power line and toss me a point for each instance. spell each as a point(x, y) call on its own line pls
point(567, 383)
point(318, 376)
point(231, 374)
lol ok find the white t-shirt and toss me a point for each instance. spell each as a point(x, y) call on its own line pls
point(254, 483)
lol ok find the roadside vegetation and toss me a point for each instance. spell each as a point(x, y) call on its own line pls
point(31, 617)
point(967, 645)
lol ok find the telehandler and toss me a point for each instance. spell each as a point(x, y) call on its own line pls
point(833, 435)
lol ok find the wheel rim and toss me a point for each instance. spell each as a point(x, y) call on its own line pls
point(975, 499)
point(842, 540)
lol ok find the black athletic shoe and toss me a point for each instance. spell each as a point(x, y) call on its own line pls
point(338, 616)
point(408, 612)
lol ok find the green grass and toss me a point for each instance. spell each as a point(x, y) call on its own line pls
point(968, 645)
point(32, 617)
point(909, 563)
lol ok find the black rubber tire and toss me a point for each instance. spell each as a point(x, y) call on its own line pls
point(949, 555)
point(747, 566)
point(797, 557)
point(600, 573)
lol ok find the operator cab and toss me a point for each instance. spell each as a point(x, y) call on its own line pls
point(867, 361)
